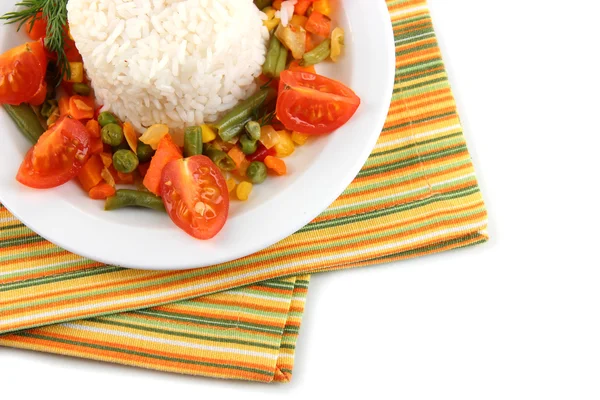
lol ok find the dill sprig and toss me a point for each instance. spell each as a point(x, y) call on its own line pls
point(55, 13)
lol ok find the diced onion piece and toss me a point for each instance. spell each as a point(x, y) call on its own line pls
point(154, 134)
point(293, 38)
point(268, 136)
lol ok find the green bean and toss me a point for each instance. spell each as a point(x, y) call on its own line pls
point(281, 62)
point(220, 158)
point(248, 145)
point(273, 53)
point(106, 118)
point(260, 4)
point(82, 89)
point(232, 124)
point(27, 121)
point(48, 108)
point(231, 133)
point(253, 130)
point(144, 152)
point(134, 198)
point(112, 134)
point(192, 141)
point(125, 161)
point(318, 54)
point(257, 172)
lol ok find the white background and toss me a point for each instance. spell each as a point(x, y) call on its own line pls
point(516, 318)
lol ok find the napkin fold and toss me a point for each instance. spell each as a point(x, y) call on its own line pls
point(417, 194)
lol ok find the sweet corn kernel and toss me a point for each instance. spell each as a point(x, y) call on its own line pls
point(208, 134)
point(299, 138)
point(322, 6)
point(285, 145)
point(231, 184)
point(270, 12)
point(337, 43)
point(271, 24)
point(243, 191)
point(76, 72)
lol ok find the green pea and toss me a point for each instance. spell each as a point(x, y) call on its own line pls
point(144, 152)
point(82, 89)
point(192, 141)
point(257, 172)
point(106, 118)
point(248, 145)
point(125, 161)
point(112, 134)
point(253, 130)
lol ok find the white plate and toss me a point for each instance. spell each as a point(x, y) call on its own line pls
point(318, 173)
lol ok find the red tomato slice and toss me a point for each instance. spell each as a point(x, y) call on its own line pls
point(313, 104)
point(57, 157)
point(22, 72)
point(195, 196)
point(39, 98)
point(38, 31)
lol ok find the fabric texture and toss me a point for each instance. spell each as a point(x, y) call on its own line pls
point(417, 194)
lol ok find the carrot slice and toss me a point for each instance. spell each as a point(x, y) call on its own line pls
point(237, 155)
point(96, 146)
point(63, 106)
point(166, 152)
point(276, 165)
point(91, 173)
point(318, 24)
point(302, 6)
point(125, 179)
point(102, 191)
point(94, 128)
point(106, 159)
point(81, 107)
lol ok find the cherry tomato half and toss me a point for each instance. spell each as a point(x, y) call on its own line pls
point(57, 157)
point(195, 196)
point(313, 104)
point(38, 30)
point(22, 73)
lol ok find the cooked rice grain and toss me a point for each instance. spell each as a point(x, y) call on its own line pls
point(175, 62)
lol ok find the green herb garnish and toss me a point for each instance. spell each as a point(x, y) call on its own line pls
point(55, 12)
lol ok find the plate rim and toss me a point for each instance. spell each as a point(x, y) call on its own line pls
point(378, 121)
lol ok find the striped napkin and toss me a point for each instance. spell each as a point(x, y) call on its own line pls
point(417, 194)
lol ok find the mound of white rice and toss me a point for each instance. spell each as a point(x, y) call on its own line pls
point(175, 62)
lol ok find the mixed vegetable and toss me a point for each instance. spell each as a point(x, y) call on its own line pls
point(46, 92)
